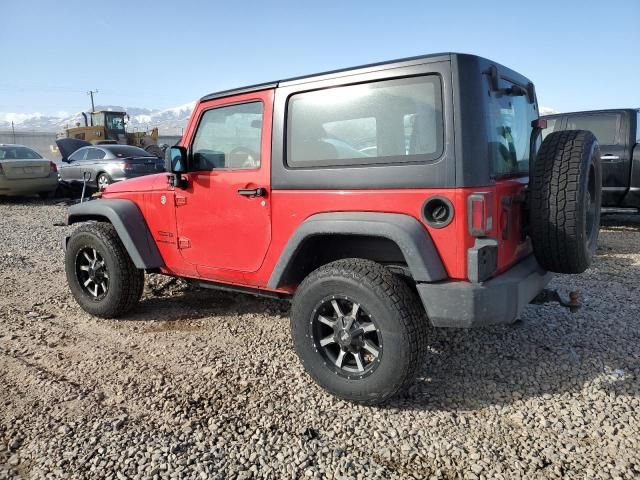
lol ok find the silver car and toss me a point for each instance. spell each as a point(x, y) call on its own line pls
point(101, 165)
point(24, 171)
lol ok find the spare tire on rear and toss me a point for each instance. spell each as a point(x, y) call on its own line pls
point(565, 193)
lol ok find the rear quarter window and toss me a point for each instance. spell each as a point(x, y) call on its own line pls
point(510, 129)
point(78, 155)
point(382, 122)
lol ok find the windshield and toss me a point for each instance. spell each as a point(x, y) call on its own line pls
point(510, 118)
point(115, 122)
point(17, 153)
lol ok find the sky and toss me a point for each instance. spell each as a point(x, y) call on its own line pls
point(158, 54)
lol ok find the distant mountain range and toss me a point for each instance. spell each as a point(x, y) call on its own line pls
point(169, 121)
point(547, 110)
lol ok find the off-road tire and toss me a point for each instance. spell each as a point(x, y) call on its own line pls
point(126, 282)
point(565, 196)
point(390, 302)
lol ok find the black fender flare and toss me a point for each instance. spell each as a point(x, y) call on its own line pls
point(127, 219)
point(408, 233)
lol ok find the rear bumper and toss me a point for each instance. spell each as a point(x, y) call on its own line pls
point(496, 301)
point(27, 186)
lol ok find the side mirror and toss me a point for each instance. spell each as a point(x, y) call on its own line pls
point(177, 160)
point(66, 160)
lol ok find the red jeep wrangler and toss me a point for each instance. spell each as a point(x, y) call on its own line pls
point(378, 198)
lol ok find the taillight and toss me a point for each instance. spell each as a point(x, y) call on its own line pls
point(53, 167)
point(480, 213)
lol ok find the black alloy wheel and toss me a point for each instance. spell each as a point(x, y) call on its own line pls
point(92, 273)
point(347, 337)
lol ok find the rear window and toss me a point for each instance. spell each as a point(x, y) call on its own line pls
point(129, 151)
point(15, 153)
point(604, 127)
point(383, 122)
point(510, 128)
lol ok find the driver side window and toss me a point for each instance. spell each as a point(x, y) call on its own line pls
point(228, 138)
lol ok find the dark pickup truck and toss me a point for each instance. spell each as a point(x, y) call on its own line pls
point(618, 132)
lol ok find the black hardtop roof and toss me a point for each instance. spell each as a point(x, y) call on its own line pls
point(593, 112)
point(434, 57)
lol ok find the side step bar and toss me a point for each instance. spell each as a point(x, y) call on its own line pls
point(240, 289)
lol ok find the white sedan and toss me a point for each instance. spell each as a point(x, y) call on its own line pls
point(24, 172)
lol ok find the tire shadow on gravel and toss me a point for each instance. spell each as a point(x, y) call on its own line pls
point(620, 223)
point(549, 352)
point(194, 303)
point(35, 201)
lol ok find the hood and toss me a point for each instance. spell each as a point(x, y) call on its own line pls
point(147, 183)
point(69, 145)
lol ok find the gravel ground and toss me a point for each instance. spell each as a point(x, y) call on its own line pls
point(203, 384)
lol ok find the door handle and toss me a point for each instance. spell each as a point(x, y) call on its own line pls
point(252, 192)
point(609, 157)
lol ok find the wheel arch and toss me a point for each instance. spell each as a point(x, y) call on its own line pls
point(388, 238)
point(129, 223)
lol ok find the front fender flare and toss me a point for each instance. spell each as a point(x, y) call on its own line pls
point(409, 234)
point(127, 219)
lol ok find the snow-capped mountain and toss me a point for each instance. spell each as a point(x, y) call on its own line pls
point(169, 121)
point(547, 110)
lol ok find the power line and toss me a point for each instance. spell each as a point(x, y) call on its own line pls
point(91, 92)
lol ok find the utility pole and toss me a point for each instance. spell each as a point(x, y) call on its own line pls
point(14, 132)
point(90, 93)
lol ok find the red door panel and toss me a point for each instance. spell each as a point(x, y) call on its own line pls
point(219, 230)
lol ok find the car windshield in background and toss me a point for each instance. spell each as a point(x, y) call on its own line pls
point(115, 122)
point(18, 153)
point(122, 151)
point(604, 127)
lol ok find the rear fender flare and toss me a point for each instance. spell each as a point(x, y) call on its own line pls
point(411, 237)
point(127, 219)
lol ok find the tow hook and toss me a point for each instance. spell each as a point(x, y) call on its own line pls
point(550, 296)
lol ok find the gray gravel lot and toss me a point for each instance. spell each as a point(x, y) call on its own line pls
point(203, 384)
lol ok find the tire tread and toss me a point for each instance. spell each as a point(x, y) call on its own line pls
point(404, 300)
point(132, 279)
point(556, 193)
